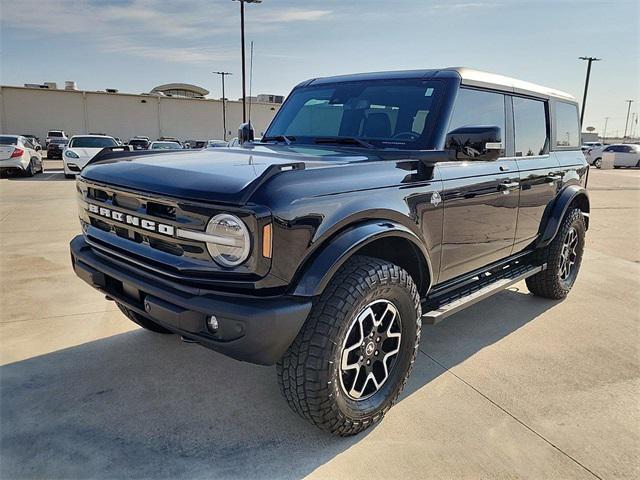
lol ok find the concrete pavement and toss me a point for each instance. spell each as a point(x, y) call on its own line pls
point(514, 387)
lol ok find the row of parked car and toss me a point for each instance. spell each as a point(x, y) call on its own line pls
point(21, 154)
point(623, 154)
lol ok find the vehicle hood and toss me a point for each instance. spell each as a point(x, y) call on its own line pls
point(224, 175)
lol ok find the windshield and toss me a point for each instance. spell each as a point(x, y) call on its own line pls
point(8, 140)
point(165, 146)
point(92, 142)
point(383, 113)
point(138, 142)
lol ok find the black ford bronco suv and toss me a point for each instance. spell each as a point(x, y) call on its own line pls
point(373, 203)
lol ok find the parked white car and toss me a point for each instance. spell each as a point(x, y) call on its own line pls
point(594, 154)
point(81, 149)
point(624, 155)
point(19, 155)
point(165, 146)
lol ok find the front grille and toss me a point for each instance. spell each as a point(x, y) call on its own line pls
point(169, 213)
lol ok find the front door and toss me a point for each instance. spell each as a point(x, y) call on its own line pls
point(480, 211)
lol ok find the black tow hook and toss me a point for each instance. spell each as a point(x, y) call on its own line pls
point(187, 340)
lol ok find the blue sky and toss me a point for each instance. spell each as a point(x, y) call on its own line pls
point(135, 45)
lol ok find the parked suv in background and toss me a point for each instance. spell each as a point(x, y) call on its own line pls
point(139, 143)
point(373, 203)
point(54, 134)
point(55, 148)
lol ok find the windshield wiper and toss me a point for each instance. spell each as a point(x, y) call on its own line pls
point(344, 140)
point(278, 138)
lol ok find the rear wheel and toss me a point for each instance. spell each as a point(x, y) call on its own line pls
point(563, 257)
point(352, 358)
point(31, 169)
point(143, 321)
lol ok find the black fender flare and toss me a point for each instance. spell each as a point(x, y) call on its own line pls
point(318, 270)
point(551, 225)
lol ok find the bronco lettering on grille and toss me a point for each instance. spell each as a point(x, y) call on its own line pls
point(132, 220)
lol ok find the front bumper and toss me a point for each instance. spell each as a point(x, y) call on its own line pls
point(252, 329)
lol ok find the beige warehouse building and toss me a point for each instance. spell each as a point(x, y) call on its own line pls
point(175, 110)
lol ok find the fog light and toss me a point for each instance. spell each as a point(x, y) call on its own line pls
point(212, 324)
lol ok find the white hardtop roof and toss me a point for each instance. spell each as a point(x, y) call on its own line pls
point(478, 78)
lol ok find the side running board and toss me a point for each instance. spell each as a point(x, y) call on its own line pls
point(486, 285)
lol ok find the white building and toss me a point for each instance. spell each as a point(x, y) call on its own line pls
point(174, 110)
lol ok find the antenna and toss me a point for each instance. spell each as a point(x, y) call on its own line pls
point(250, 79)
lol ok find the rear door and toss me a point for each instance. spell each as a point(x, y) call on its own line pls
point(540, 172)
point(480, 197)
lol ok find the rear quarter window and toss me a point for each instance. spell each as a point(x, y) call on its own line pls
point(567, 132)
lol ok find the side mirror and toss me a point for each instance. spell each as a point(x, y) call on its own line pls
point(245, 133)
point(475, 143)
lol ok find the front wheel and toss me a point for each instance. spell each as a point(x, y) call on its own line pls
point(563, 257)
point(352, 358)
point(597, 163)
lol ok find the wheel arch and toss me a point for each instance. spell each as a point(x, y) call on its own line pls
point(381, 239)
point(573, 195)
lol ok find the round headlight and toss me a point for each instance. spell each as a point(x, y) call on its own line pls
point(71, 154)
point(233, 244)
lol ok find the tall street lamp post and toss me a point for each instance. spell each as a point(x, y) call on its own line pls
point(224, 105)
point(627, 120)
point(586, 84)
point(244, 89)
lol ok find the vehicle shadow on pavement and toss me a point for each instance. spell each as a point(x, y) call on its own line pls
point(140, 404)
point(47, 176)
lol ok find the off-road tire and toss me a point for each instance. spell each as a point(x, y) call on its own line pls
point(309, 372)
point(548, 283)
point(144, 322)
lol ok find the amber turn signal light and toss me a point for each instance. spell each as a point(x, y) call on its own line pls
point(267, 234)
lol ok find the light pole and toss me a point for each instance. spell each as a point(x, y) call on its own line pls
point(586, 85)
point(627, 120)
point(224, 105)
point(244, 89)
point(604, 134)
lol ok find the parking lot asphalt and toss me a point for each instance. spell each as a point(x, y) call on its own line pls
point(513, 387)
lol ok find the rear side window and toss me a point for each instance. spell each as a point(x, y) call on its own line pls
point(530, 125)
point(567, 127)
point(475, 107)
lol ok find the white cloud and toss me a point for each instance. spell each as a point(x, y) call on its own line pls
point(292, 15)
point(180, 32)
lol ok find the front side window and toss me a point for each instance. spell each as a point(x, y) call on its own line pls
point(476, 108)
point(92, 142)
point(384, 113)
point(567, 126)
point(530, 126)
